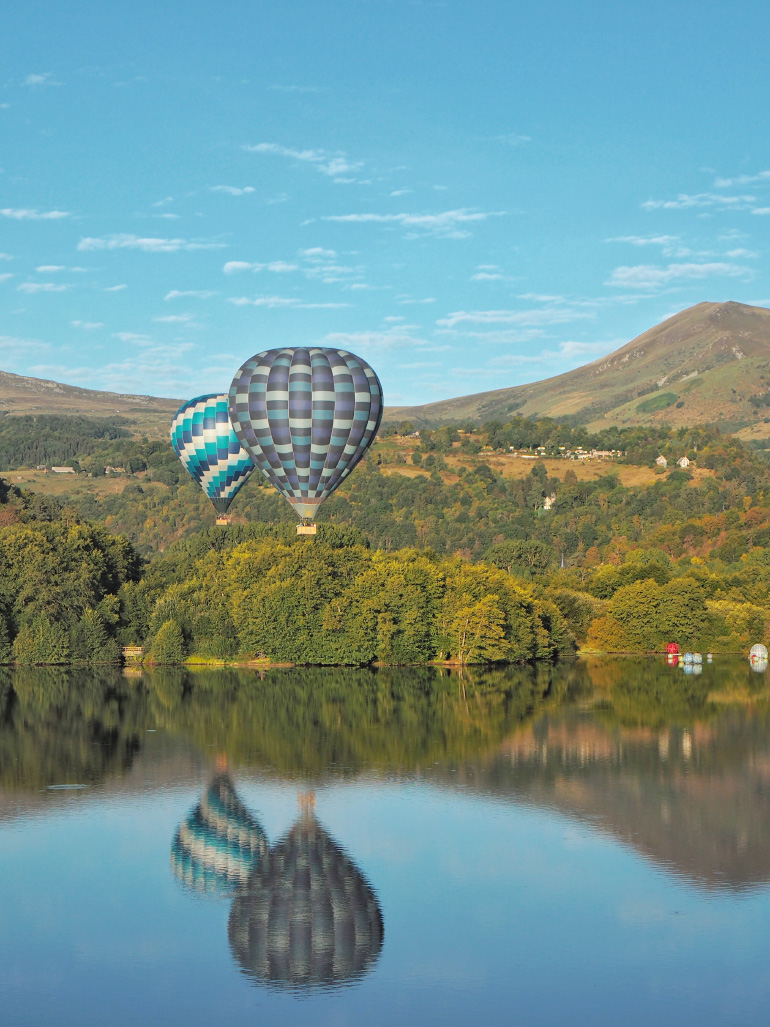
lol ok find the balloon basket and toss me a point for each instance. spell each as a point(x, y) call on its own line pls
point(307, 529)
point(223, 520)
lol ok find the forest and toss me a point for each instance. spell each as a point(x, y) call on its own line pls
point(431, 552)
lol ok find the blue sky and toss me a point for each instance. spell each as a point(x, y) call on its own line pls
point(469, 195)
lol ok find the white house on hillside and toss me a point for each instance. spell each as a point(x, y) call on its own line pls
point(662, 462)
point(683, 462)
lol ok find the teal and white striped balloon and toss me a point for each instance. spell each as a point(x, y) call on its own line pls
point(205, 442)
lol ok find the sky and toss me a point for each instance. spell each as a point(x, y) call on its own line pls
point(469, 195)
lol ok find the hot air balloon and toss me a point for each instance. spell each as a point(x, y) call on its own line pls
point(306, 417)
point(309, 918)
point(204, 441)
point(220, 844)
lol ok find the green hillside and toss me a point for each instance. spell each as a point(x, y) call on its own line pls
point(708, 364)
point(22, 395)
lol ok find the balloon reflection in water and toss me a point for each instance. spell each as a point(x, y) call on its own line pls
point(220, 844)
point(310, 919)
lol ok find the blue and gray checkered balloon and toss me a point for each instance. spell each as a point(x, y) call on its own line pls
point(204, 441)
point(306, 417)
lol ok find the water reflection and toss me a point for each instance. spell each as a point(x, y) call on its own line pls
point(309, 918)
point(675, 765)
point(220, 844)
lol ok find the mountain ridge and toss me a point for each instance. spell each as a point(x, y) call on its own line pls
point(22, 394)
point(708, 363)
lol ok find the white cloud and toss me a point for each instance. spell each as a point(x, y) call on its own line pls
point(115, 288)
point(317, 265)
point(273, 302)
point(45, 269)
point(649, 276)
point(131, 337)
point(746, 254)
point(87, 325)
point(6, 276)
point(409, 301)
point(685, 201)
point(30, 214)
point(761, 210)
point(13, 349)
point(646, 240)
point(181, 319)
point(159, 365)
point(333, 165)
point(727, 183)
point(521, 318)
point(201, 294)
point(513, 139)
point(232, 190)
point(124, 241)
point(401, 192)
point(276, 266)
point(164, 202)
point(445, 225)
point(500, 336)
point(318, 253)
point(487, 276)
point(5, 256)
point(32, 287)
point(41, 79)
point(392, 337)
point(297, 89)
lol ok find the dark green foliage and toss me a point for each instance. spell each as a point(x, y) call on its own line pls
point(6, 650)
point(30, 440)
point(59, 585)
point(659, 401)
point(168, 645)
point(41, 641)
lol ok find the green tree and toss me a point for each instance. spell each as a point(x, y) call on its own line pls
point(168, 645)
point(41, 642)
point(479, 630)
point(5, 641)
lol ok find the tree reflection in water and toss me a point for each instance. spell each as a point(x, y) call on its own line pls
point(675, 765)
point(309, 918)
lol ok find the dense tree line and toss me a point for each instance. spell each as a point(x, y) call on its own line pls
point(331, 602)
point(59, 584)
point(461, 563)
point(44, 439)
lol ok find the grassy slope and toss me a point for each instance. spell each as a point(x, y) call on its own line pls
point(711, 357)
point(21, 395)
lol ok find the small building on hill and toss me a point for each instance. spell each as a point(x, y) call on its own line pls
point(63, 470)
point(662, 462)
point(683, 462)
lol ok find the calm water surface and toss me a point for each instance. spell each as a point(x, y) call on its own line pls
point(585, 844)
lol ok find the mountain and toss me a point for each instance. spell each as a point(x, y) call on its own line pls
point(709, 363)
point(22, 395)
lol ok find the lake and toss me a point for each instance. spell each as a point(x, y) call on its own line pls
point(587, 844)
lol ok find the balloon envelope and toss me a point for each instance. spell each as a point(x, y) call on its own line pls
point(306, 417)
point(309, 918)
point(220, 844)
point(205, 442)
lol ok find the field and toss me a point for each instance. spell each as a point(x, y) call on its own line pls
point(519, 467)
point(71, 484)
